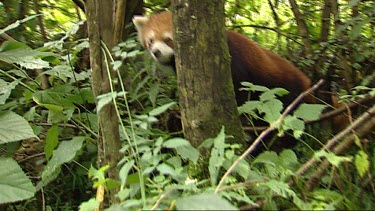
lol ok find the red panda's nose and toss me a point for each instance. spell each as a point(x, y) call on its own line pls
point(157, 53)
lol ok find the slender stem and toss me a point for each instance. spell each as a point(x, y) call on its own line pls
point(272, 127)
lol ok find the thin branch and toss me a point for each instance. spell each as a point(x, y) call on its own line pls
point(346, 143)
point(302, 28)
point(5, 36)
point(268, 28)
point(271, 128)
point(332, 142)
point(333, 113)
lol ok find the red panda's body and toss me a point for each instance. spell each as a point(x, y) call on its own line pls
point(250, 62)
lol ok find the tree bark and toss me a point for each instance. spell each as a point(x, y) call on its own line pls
point(206, 91)
point(342, 58)
point(100, 28)
point(302, 28)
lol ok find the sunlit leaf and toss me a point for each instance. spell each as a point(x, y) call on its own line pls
point(204, 201)
point(14, 128)
point(14, 184)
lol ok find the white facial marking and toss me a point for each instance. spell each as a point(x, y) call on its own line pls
point(161, 52)
point(168, 35)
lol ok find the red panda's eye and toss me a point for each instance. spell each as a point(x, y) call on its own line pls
point(168, 41)
point(150, 41)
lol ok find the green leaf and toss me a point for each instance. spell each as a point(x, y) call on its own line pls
point(267, 157)
point(124, 172)
point(176, 142)
point(362, 163)
point(55, 97)
point(116, 64)
point(6, 89)
point(91, 204)
point(104, 99)
point(309, 112)
point(249, 107)
point(25, 57)
point(289, 159)
point(52, 140)
point(64, 153)
point(271, 94)
point(217, 157)
point(272, 110)
point(280, 188)
point(332, 158)
point(14, 184)
point(188, 152)
point(204, 201)
point(166, 169)
point(14, 128)
point(161, 109)
point(294, 124)
point(247, 86)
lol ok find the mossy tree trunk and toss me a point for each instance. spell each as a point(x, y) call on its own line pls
point(206, 92)
point(106, 21)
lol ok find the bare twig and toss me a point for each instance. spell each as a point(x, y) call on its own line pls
point(333, 113)
point(268, 131)
point(346, 143)
point(161, 198)
point(5, 36)
point(332, 142)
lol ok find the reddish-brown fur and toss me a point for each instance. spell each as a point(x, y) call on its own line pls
point(250, 62)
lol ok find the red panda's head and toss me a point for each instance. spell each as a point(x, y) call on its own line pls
point(155, 33)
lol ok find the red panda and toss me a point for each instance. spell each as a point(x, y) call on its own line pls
point(249, 62)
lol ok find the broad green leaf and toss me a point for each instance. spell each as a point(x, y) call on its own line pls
point(289, 159)
point(362, 163)
point(116, 64)
point(91, 204)
point(280, 188)
point(204, 201)
point(332, 158)
point(247, 86)
point(161, 109)
point(309, 112)
point(188, 152)
point(14, 128)
point(124, 172)
point(64, 153)
point(52, 140)
point(294, 124)
point(272, 110)
point(271, 94)
point(176, 142)
point(249, 107)
point(104, 99)
point(14, 184)
point(166, 169)
point(268, 157)
point(217, 157)
point(53, 97)
point(6, 89)
point(26, 58)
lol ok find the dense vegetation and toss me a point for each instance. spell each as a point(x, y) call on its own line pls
point(48, 115)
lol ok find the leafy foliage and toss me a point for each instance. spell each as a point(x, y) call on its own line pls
point(15, 185)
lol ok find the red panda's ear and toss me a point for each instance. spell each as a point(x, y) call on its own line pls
point(139, 22)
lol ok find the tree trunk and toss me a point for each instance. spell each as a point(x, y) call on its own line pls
point(100, 26)
point(206, 91)
point(302, 28)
